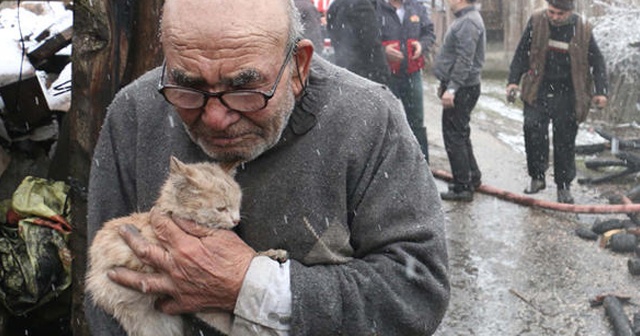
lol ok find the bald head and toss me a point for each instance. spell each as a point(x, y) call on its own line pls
point(207, 24)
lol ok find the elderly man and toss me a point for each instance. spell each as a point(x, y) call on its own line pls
point(558, 62)
point(331, 173)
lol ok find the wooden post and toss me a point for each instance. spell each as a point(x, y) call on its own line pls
point(114, 42)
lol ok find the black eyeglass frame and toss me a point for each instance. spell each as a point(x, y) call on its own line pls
point(220, 95)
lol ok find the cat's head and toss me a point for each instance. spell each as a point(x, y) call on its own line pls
point(202, 192)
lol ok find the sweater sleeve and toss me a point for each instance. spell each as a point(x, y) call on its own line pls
point(520, 62)
point(396, 283)
point(598, 68)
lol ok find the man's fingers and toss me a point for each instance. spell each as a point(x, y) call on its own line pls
point(150, 254)
point(447, 100)
point(417, 51)
point(142, 282)
point(165, 229)
point(169, 306)
point(192, 227)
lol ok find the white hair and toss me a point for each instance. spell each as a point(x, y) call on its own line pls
point(296, 29)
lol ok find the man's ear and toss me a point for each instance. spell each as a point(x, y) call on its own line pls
point(303, 55)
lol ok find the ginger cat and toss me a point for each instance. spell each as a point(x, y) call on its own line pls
point(202, 192)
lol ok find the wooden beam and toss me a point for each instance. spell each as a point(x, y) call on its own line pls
point(114, 42)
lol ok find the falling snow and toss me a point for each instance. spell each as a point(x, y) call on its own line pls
point(18, 30)
point(619, 38)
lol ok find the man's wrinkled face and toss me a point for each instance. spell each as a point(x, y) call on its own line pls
point(213, 54)
point(228, 135)
point(557, 16)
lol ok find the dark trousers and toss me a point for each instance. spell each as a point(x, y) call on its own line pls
point(555, 102)
point(408, 89)
point(456, 133)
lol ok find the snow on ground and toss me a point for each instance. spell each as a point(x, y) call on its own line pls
point(505, 120)
point(19, 28)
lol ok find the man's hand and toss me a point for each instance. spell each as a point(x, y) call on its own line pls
point(393, 52)
point(600, 101)
point(447, 99)
point(194, 273)
point(417, 50)
point(512, 92)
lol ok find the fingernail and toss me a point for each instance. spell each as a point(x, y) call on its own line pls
point(111, 274)
point(128, 228)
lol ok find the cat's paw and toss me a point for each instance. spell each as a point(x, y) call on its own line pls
point(280, 256)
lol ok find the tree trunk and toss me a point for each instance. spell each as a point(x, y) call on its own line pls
point(114, 42)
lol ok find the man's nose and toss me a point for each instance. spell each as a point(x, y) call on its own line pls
point(218, 117)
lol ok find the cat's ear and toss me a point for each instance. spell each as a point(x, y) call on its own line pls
point(179, 173)
point(175, 165)
point(229, 167)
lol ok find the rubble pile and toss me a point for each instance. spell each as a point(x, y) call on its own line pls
point(35, 83)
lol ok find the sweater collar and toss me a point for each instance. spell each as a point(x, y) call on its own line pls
point(303, 118)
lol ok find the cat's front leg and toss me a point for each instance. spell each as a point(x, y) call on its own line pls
point(278, 255)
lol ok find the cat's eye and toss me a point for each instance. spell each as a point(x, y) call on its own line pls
point(221, 209)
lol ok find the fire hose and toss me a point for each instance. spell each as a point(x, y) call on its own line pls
point(627, 207)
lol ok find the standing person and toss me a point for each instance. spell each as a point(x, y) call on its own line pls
point(330, 173)
point(407, 36)
point(355, 37)
point(558, 62)
point(458, 67)
point(322, 5)
point(311, 21)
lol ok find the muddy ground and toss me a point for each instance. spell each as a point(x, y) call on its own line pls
point(517, 270)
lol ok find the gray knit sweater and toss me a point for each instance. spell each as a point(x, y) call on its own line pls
point(372, 259)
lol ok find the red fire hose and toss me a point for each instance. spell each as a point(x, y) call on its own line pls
point(627, 207)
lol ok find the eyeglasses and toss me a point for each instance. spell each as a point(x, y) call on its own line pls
point(237, 100)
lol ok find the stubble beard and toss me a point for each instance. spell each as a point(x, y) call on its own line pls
point(559, 23)
point(265, 136)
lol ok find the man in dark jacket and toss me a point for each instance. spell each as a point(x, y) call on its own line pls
point(558, 62)
point(458, 66)
point(355, 37)
point(407, 36)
